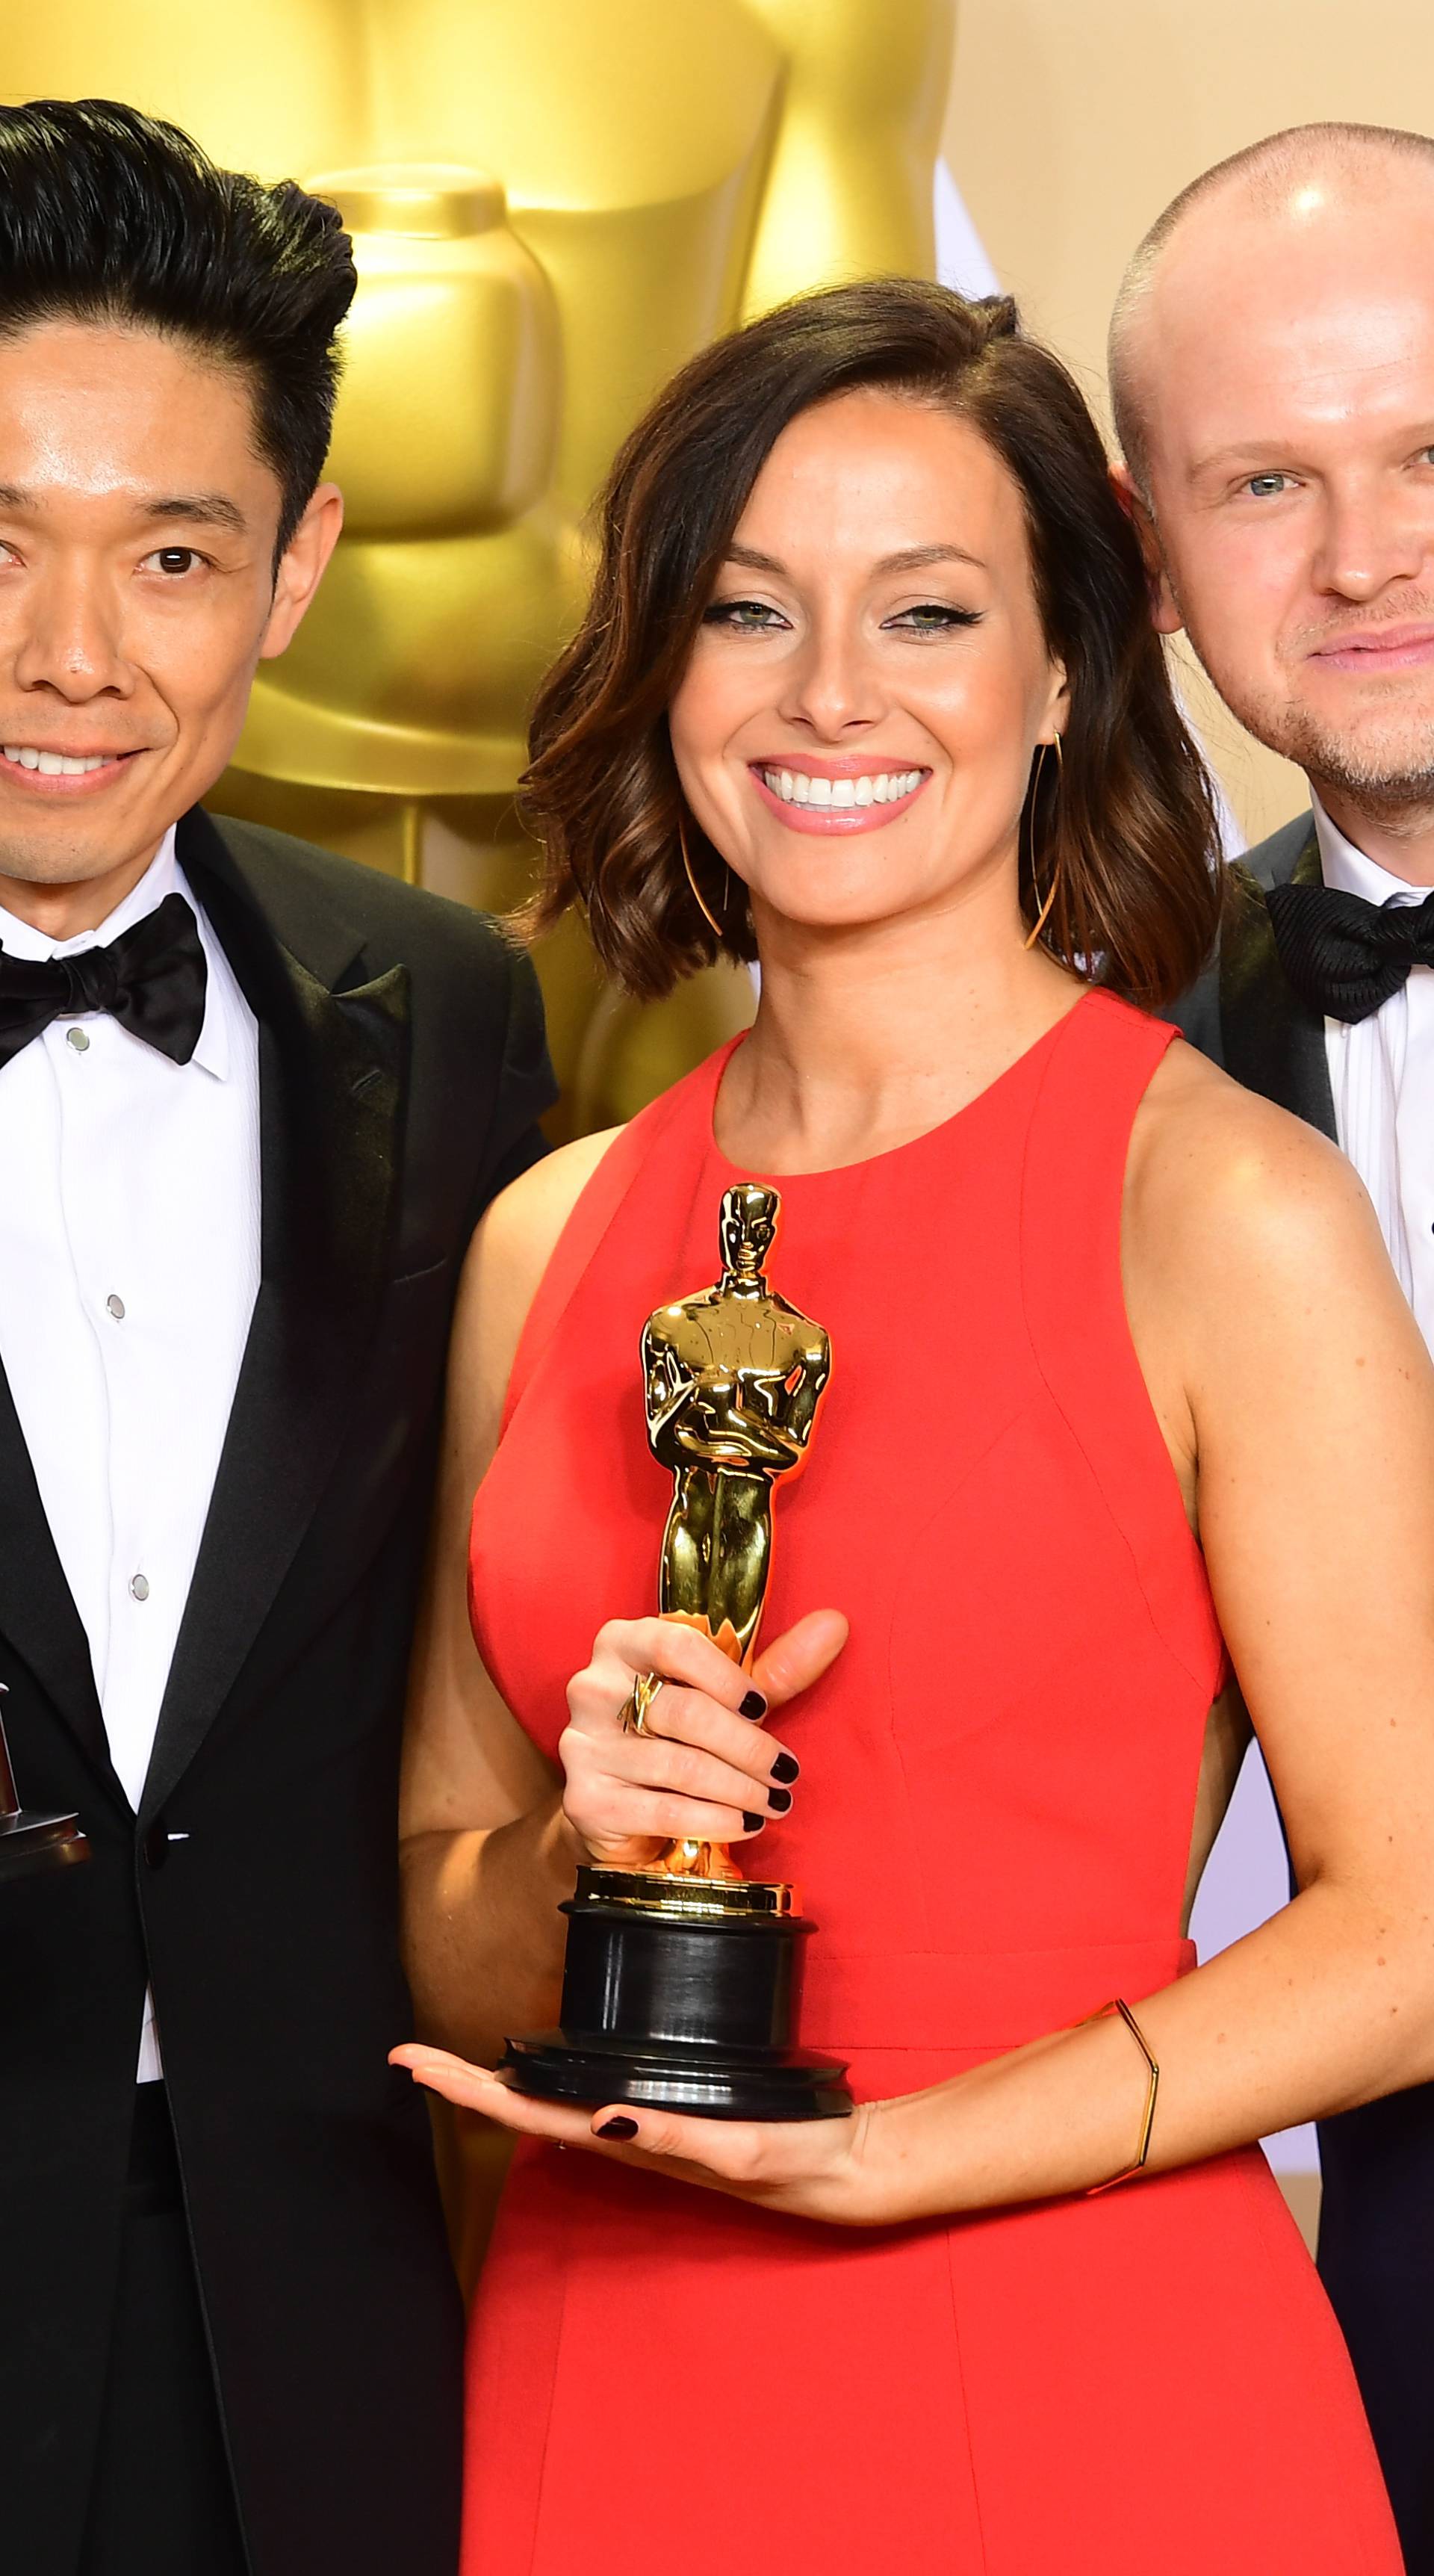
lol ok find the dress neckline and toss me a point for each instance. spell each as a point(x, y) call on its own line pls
point(1027, 1061)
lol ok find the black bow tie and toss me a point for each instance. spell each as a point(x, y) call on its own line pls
point(1345, 956)
point(151, 979)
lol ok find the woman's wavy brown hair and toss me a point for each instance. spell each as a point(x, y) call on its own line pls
point(1127, 830)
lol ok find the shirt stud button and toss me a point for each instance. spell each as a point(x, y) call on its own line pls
point(115, 1306)
point(139, 1586)
point(77, 1039)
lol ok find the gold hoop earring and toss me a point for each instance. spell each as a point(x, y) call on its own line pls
point(1043, 916)
point(705, 909)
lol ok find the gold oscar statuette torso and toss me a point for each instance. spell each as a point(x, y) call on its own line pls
point(733, 1378)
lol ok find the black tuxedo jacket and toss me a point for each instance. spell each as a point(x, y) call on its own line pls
point(1376, 2248)
point(1242, 1013)
point(402, 1067)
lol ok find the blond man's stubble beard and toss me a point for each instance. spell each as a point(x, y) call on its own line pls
point(1389, 780)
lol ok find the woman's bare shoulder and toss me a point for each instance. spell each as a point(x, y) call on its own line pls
point(520, 1232)
point(1222, 1181)
point(1205, 1145)
point(526, 1219)
point(506, 1260)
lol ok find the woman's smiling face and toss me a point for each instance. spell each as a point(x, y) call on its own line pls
point(855, 728)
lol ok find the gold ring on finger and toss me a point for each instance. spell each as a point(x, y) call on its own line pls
point(639, 1700)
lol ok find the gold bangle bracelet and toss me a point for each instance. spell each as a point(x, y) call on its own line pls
point(1120, 2006)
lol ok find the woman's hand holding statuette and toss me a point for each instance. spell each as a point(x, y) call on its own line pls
point(699, 1769)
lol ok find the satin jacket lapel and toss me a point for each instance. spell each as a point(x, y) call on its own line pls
point(1272, 1041)
point(333, 1082)
point(38, 1619)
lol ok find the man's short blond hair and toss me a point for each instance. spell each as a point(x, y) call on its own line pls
point(1263, 171)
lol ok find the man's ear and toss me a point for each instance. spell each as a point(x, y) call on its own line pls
point(1164, 615)
point(301, 567)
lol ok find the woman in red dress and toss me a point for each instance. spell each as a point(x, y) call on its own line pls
point(1123, 1394)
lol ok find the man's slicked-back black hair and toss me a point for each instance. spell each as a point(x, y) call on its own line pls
point(109, 216)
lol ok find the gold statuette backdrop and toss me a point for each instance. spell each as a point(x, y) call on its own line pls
point(553, 204)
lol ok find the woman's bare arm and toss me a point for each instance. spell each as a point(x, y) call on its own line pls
point(486, 1857)
point(1258, 1269)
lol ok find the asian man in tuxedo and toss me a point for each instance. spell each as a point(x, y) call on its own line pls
point(1272, 367)
point(252, 1101)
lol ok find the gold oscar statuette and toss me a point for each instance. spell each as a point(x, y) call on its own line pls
point(680, 1979)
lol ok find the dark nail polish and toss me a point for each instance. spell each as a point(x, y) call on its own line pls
point(786, 1767)
point(754, 1824)
point(621, 2127)
point(779, 1801)
point(754, 1705)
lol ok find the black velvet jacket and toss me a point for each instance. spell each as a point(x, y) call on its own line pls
point(402, 1068)
point(1242, 1013)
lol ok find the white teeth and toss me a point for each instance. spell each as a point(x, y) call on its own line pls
point(53, 764)
point(808, 787)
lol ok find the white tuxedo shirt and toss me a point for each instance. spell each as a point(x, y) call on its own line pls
point(129, 1267)
point(1381, 1072)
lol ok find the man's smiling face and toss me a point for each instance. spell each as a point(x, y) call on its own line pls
point(137, 594)
point(1283, 365)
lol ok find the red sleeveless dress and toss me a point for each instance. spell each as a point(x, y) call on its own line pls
point(991, 1834)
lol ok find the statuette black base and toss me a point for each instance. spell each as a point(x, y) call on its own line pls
point(679, 1995)
point(34, 1842)
point(670, 2077)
